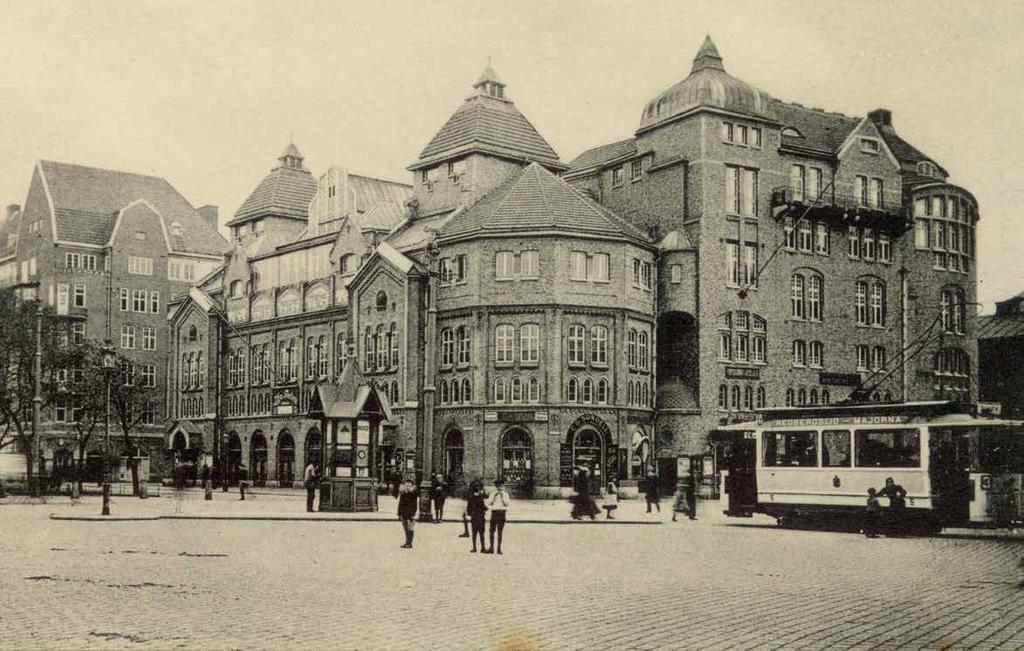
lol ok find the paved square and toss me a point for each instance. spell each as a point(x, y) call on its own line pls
point(713, 584)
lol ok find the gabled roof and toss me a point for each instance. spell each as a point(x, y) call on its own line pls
point(490, 124)
point(9, 227)
point(284, 192)
point(1000, 326)
point(87, 200)
point(416, 234)
point(819, 130)
point(533, 200)
point(383, 216)
point(349, 396)
point(600, 156)
point(370, 191)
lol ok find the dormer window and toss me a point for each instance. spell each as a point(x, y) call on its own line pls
point(236, 288)
point(870, 145)
point(456, 170)
point(926, 168)
point(792, 132)
point(495, 90)
point(175, 229)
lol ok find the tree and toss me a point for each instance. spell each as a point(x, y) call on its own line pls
point(86, 399)
point(20, 319)
point(131, 405)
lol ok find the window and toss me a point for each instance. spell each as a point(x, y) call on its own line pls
point(727, 132)
point(741, 191)
point(128, 336)
point(877, 358)
point(529, 343)
point(140, 266)
point(790, 231)
point(867, 244)
point(447, 347)
point(888, 448)
point(805, 239)
point(503, 344)
point(742, 347)
point(799, 353)
point(732, 264)
point(862, 303)
point(154, 302)
point(735, 393)
point(815, 352)
point(863, 357)
point(755, 137)
point(884, 248)
point(875, 193)
point(642, 351)
point(813, 311)
point(877, 303)
point(641, 274)
point(78, 333)
point(587, 394)
point(572, 390)
point(464, 345)
point(577, 265)
point(510, 265)
point(636, 170)
point(597, 267)
point(576, 340)
point(340, 351)
point(79, 296)
point(533, 390)
point(821, 241)
point(797, 181)
point(148, 338)
point(757, 351)
point(723, 396)
point(445, 272)
point(797, 298)
point(631, 348)
point(148, 375)
point(870, 145)
point(835, 448)
point(602, 392)
point(311, 357)
point(725, 346)
point(748, 398)
point(456, 392)
point(617, 176)
point(853, 241)
point(599, 345)
point(676, 274)
point(749, 264)
point(789, 398)
point(467, 391)
point(139, 300)
point(760, 398)
point(383, 349)
point(814, 185)
point(529, 265)
point(444, 396)
point(128, 374)
point(953, 312)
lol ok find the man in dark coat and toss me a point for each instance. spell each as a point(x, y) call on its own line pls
point(243, 479)
point(476, 510)
point(653, 494)
point(407, 503)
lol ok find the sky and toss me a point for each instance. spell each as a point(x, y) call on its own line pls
point(207, 95)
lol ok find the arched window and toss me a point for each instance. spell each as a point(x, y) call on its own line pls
point(456, 392)
point(311, 357)
point(348, 264)
point(760, 398)
point(735, 397)
point(499, 390)
point(748, 398)
point(789, 397)
point(723, 396)
point(572, 392)
point(341, 351)
point(464, 345)
point(814, 396)
point(642, 351)
point(602, 391)
point(517, 389)
point(533, 390)
point(516, 456)
point(645, 391)
point(444, 391)
point(382, 348)
point(369, 349)
point(797, 299)
point(801, 397)
point(588, 390)
point(631, 348)
point(192, 333)
point(393, 337)
point(467, 390)
point(236, 288)
point(825, 398)
point(322, 356)
point(382, 301)
point(629, 393)
point(953, 310)
point(183, 371)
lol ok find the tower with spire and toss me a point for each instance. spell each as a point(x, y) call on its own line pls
point(483, 143)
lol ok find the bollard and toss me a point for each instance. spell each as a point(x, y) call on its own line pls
point(143, 491)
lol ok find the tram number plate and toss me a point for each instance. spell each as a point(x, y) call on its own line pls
point(750, 436)
point(986, 482)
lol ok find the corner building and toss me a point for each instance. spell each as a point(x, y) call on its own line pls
point(525, 317)
point(809, 257)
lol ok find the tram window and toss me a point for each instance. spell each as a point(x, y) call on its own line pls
point(791, 449)
point(835, 448)
point(889, 448)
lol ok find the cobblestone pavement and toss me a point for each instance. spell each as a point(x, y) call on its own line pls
point(710, 584)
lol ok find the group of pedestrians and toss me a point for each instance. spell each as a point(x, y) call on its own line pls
point(478, 503)
point(875, 518)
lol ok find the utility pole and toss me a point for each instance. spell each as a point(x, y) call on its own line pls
point(37, 397)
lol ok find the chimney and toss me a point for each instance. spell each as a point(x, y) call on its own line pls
point(12, 210)
point(881, 117)
point(209, 214)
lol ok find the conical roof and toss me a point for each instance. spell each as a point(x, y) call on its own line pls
point(488, 124)
point(488, 76)
point(284, 192)
point(707, 85)
point(537, 200)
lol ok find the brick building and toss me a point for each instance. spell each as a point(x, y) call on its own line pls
point(109, 250)
point(806, 251)
point(525, 317)
point(1001, 357)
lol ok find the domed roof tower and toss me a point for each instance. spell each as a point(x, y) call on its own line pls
point(707, 85)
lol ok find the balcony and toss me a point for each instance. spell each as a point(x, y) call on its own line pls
point(841, 209)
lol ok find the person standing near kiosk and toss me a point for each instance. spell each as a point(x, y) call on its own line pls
point(311, 478)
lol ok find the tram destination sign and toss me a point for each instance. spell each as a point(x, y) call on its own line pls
point(839, 420)
point(839, 379)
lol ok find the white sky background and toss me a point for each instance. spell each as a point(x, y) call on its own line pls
point(207, 94)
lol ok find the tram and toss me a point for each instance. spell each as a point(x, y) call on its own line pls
point(815, 464)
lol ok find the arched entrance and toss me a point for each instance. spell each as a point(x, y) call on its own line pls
point(178, 446)
point(315, 448)
point(234, 457)
point(588, 452)
point(454, 454)
point(285, 459)
point(517, 457)
point(258, 459)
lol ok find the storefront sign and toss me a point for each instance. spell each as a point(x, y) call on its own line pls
point(541, 416)
point(839, 379)
point(491, 416)
point(742, 373)
point(517, 416)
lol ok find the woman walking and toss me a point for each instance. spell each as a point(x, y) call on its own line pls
point(498, 504)
point(407, 511)
point(611, 499)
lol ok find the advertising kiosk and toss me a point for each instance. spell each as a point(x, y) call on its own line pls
point(350, 413)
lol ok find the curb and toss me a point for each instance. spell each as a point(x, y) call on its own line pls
point(299, 518)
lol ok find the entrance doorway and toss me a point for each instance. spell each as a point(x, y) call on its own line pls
point(285, 459)
point(517, 457)
point(588, 452)
point(234, 457)
point(454, 454)
point(258, 459)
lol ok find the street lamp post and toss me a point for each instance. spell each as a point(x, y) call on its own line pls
point(107, 352)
